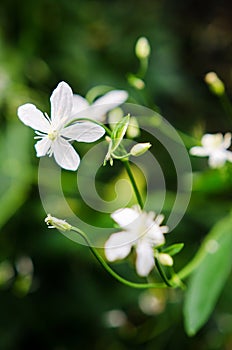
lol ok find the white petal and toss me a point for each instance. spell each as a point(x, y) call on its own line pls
point(229, 156)
point(145, 259)
point(33, 117)
point(107, 102)
point(227, 140)
point(114, 98)
point(125, 216)
point(212, 141)
point(155, 234)
point(217, 159)
point(199, 151)
point(65, 155)
point(159, 219)
point(84, 132)
point(43, 146)
point(61, 104)
point(79, 104)
point(118, 246)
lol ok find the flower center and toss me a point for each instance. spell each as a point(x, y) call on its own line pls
point(52, 135)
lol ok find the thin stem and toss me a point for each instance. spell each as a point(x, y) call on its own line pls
point(226, 104)
point(162, 273)
point(192, 265)
point(112, 272)
point(133, 183)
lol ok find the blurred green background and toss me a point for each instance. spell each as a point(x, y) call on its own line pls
point(53, 294)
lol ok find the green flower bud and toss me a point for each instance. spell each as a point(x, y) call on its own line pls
point(142, 48)
point(215, 84)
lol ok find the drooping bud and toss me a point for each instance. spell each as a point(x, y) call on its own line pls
point(136, 82)
point(53, 222)
point(140, 148)
point(215, 84)
point(142, 48)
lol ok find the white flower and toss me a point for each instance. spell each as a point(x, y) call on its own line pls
point(55, 136)
point(98, 109)
point(215, 147)
point(141, 230)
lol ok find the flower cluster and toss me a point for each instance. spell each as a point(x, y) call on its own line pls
point(141, 230)
point(56, 133)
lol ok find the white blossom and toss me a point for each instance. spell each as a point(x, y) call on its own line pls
point(215, 147)
point(54, 135)
point(141, 230)
point(98, 109)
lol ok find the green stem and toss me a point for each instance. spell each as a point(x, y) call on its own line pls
point(112, 272)
point(162, 274)
point(192, 265)
point(226, 104)
point(143, 68)
point(133, 183)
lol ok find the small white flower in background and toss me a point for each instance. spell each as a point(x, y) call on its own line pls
point(215, 147)
point(60, 224)
point(55, 136)
point(141, 230)
point(98, 109)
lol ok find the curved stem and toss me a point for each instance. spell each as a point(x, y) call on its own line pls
point(192, 265)
point(226, 104)
point(162, 274)
point(133, 183)
point(112, 272)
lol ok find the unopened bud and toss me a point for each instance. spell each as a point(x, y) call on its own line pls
point(140, 148)
point(142, 48)
point(137, 83)
point(215, 84)
point(53, 222)
point(165, 259)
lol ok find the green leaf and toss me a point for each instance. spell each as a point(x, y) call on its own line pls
point(173, 249)
point(119, 132)
point(209, 278)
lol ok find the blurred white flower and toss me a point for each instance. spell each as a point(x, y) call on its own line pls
point(215, 147)
point(55, 136)
point(141, 230)
point(98, 109)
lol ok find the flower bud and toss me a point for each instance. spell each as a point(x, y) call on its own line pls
point(53, 222)
point(140, 148)
point(137, 83)
point(142, 48)
point(215, 84)
point(165, 259)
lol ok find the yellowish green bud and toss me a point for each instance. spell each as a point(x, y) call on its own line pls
point(137, 83)
point(215, 84)
point(133, 128)
point(53, 222)
point(165, 259)
point(140, 148)
point(142, 48)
